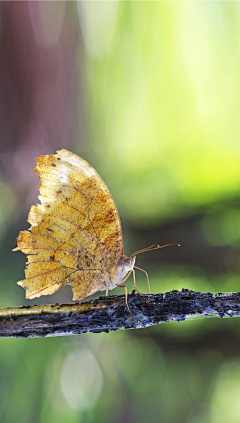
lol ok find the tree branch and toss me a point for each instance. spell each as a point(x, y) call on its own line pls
point(110, 313)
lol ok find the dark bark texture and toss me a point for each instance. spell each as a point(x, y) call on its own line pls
point(110, 313)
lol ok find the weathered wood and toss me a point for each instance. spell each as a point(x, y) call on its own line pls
point(110, 313)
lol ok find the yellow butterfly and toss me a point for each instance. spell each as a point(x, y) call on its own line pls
point(75, 236)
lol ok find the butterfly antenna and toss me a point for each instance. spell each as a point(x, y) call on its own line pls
point(152, 247)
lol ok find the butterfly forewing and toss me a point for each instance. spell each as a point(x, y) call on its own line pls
point(75, 234)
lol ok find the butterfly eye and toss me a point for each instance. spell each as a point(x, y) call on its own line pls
point(128, 261)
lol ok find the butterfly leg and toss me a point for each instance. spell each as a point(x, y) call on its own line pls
point(134, 281)
point(106, 292)
point(146, 277)
point(126, 296)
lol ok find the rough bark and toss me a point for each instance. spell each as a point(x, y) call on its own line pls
point(110, 313)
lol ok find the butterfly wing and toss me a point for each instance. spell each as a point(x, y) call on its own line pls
point(75, 234)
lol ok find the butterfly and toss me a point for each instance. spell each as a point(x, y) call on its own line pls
point(75, 235)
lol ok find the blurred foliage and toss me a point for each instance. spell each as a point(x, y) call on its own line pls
point(164, 106)
point(160, 94)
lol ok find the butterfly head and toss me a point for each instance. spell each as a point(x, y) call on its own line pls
point(128, 263)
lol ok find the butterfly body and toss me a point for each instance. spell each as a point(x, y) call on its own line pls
point(117, 273)
point(112, 277)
